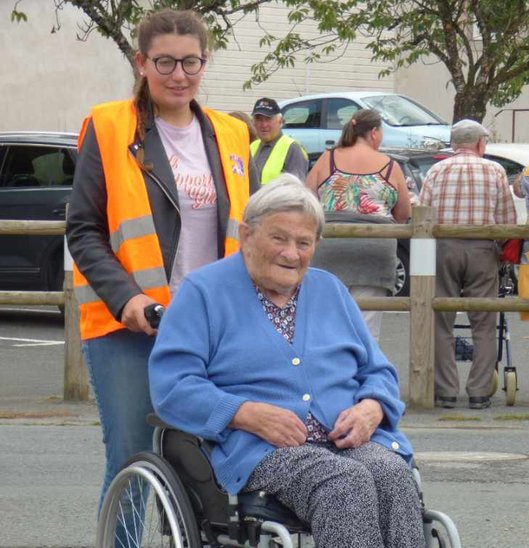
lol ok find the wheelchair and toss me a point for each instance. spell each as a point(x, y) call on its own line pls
point(170, 498)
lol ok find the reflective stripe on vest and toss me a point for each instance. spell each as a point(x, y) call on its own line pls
point(146, 279)
point(235, 159)
point(132, 234)
point(276, 160)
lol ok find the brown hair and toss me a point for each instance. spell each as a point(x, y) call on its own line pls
point(362, 122)
point(157, 23)
point(248, 121)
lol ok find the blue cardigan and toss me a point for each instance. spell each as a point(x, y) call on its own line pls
point(216, 349)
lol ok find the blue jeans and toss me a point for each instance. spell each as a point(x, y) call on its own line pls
point(117, 364)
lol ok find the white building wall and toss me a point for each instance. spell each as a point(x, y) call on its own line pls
point(354, 70)
point(50, 80)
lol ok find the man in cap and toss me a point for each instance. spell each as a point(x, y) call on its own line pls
point(469, 190)
point(274, 152)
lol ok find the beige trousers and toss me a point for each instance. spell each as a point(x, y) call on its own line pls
point(466, 268)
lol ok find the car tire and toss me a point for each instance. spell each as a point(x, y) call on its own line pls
point(402, 278)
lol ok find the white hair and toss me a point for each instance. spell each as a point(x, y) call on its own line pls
point(284, 193)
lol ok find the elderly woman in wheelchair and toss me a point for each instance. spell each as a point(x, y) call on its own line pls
point(271, 361)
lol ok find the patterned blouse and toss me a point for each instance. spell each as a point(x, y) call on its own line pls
point(363, 193)
point(284, 320)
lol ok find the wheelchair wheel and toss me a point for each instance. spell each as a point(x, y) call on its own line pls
point(147, 505)
point(510, 387)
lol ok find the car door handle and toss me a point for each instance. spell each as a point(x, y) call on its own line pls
point(60, 212)
point(330, 142)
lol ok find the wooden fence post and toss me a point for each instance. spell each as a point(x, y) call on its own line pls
point(422, 291)
point(76, 385)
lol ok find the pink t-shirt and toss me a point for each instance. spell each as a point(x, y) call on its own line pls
point(197, 197)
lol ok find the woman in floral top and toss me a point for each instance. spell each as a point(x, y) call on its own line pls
point(357, 183)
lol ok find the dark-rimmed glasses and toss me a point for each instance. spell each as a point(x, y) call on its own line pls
point(166, 64)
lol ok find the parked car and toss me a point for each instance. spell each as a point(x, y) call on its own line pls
point(514, 157)
point(316, 121)
point(36, 174)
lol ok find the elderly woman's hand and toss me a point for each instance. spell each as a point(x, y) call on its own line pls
point(278, 426)
point(356, 425)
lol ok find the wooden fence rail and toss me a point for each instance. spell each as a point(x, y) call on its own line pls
point(422, 303)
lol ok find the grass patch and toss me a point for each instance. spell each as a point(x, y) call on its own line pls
point(458, 418)
point(513, 417)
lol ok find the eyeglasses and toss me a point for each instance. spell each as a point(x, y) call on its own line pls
point(166, 65)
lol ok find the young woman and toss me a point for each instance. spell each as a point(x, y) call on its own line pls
point(159, 190)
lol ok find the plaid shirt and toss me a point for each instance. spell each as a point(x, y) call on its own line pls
point(468, 190)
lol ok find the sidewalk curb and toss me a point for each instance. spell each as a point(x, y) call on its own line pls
point(55, 411)
point(47, 411)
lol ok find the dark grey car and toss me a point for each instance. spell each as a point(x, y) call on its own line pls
point(36, 174)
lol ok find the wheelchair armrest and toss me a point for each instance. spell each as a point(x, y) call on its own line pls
point(206, 445)
point(154, 420)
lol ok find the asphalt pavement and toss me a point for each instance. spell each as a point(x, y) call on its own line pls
point(474, 463)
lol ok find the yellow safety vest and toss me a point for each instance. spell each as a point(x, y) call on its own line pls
point(276, 160)
point(132, 234)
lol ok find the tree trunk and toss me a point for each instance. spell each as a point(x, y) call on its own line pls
point(470, 103)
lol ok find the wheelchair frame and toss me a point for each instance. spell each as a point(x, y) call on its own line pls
point(172, 494)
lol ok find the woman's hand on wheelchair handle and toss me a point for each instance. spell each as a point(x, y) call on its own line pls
point(278, 426)
point(356, 425)
point(133, 315)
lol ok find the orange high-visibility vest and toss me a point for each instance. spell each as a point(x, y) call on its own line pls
point(132, 233)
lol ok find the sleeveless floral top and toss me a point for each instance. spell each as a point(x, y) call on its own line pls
point(365, 193)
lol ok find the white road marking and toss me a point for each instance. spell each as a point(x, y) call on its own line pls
point(31, 342)
point(466, 456)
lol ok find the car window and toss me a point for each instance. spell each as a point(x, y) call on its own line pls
point(397, 110)
point(424, 163)
point(513, 169)
point(421, 164)
point(36, 166)
point(339, 111)
point(306, 114)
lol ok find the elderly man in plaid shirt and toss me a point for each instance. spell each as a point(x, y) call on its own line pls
point(469, 190)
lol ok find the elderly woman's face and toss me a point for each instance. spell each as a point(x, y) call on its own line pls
point(277, 252)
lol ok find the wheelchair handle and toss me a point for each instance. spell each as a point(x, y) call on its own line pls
point(153, 314)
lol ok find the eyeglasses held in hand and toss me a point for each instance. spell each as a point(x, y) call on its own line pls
point(166, 64)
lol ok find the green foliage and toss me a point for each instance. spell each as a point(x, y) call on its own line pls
point(18, 16)
point(484, 44)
